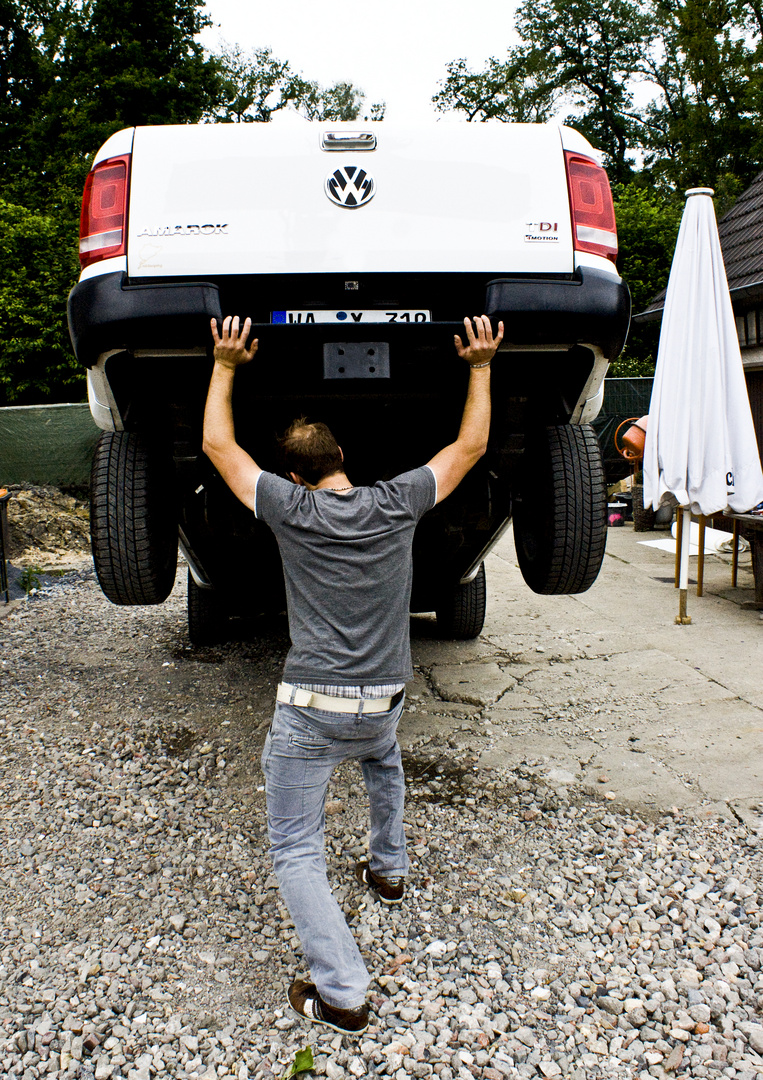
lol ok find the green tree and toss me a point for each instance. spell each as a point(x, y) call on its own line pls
point(577, 57)
point(703, 126)
point(131, 62)
point(19, 76)
point(504, 90)
point(94, 66)
point(38, 265)
point(254, 85)
point(71, 73)
point(342, 101)
point(25, 76)
point(697, 66)
point(590, 50)
point(647, 228)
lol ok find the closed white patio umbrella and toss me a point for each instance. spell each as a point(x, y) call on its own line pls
point(701, 453)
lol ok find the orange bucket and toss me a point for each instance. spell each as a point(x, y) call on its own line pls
point(631, 444)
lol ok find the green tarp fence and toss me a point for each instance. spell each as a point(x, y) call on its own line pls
point(47, 444)
point(623, 398)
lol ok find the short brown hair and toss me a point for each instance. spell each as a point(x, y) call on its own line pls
point(310, 450)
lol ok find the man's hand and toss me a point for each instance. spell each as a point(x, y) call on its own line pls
point(482, 345)
point(230, 349)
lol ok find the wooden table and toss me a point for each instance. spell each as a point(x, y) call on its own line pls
point(751, 527)
point(748, 525)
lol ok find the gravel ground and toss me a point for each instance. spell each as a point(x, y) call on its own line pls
point(546, 934)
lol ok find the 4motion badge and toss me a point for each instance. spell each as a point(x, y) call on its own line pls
point(350, 186)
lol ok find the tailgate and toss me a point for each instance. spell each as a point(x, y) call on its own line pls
point(232, 199)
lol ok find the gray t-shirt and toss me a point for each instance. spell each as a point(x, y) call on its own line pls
point(348, 570)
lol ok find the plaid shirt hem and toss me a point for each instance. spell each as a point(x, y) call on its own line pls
point(369, 693)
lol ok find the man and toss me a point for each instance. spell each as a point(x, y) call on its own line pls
point(346, 554)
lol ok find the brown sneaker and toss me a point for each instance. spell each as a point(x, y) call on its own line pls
point(390, 890)
point(308, 1003)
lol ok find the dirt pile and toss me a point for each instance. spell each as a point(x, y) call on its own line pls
point(46, 528)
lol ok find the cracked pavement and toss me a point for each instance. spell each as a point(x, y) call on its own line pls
point(603, 692)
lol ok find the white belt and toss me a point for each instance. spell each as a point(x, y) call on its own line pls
point(307, 699)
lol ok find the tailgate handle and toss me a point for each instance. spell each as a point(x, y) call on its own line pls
point(348, 140)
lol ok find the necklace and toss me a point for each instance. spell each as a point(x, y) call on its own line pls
point(347, 487)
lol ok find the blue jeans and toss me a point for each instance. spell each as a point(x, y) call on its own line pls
point(301, 751)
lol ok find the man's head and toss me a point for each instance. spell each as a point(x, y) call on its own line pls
point(310, 451)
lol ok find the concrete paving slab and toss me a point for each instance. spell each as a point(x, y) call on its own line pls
point(415, 727)
point(513, 748)
point(638, 780)
point(476, 683)
point(673, 715)
point(718, 748)
point(515, 700)
point(417, 690)
point(633, 779)
point(750, 812)
point(431, 650)
point(551, 651)
point(639, 673)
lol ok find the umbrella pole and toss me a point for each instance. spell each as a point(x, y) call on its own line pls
point(701, 555)
point(735, 556)
point(679, 533)
point(683, 582)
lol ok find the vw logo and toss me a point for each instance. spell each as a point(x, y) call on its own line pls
point(350, 186)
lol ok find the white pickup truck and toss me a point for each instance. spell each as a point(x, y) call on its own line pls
point(357, 251)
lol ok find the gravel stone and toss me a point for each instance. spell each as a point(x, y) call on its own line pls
point(545, 933)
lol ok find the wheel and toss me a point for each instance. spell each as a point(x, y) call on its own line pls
point(560, 519)
point(207, 619)
point(461, 612)
point(133, 525)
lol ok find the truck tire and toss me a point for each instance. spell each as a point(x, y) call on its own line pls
point(461, 612)
point(207, 621)
point(560, 518)
point(133, 525)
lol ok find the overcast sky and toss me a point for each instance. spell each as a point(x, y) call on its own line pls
point(394, 50)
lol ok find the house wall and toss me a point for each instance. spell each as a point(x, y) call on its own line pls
point(753, 358)
point(755, 391)
point(750, 333)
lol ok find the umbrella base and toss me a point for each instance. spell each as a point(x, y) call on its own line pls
point(682, 618)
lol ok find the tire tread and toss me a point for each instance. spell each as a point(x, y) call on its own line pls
point(207, 620)
point(132, 524)
point(570, 536)
point(461, 614)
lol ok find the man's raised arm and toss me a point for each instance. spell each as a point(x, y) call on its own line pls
point(237, 468)
point(452, 463)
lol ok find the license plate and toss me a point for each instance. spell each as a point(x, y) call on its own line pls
point(347, 318)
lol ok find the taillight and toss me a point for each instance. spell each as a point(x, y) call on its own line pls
point(103, 224)
point(593, 214)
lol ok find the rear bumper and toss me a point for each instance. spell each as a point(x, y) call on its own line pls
point(107, 313)
point(593, 308)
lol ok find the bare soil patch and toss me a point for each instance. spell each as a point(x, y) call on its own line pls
point(48, 529)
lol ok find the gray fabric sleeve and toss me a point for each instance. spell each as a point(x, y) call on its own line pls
point(271, 495)
point(417, 490)
point(434, 503)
